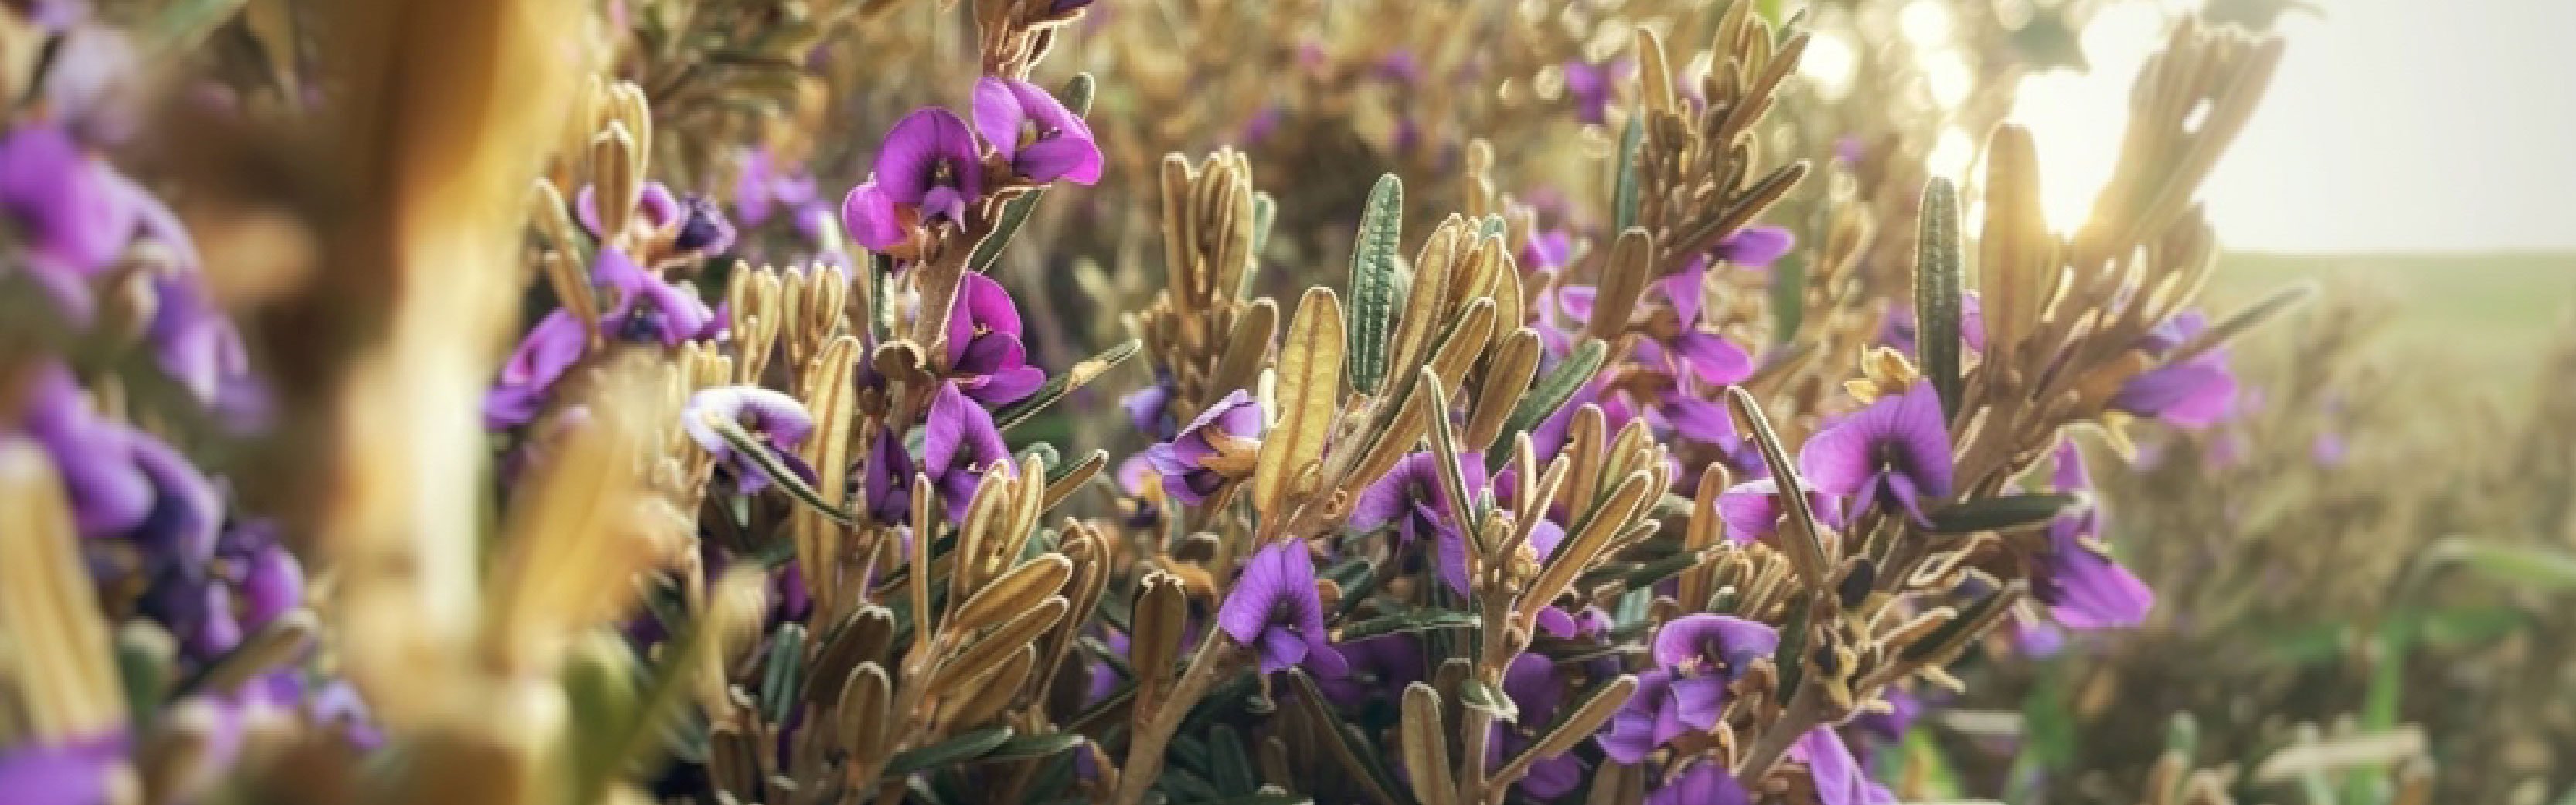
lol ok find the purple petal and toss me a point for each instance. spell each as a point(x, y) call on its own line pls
point(1065, 148)
point(1713, 359)
point(1699, 420)
point(76, 772)
point(869, 215)
point(998, 116)
point(1830, 763)
point(1697, 703)
point(1266, 577)
point(921, 145)
point(1684, 290)
point(1721, 638)
point(1756, 246)
point(982, 306)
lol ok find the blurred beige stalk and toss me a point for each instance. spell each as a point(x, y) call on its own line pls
point(444, 113)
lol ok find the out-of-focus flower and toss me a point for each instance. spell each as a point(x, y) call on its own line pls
point(76, 213)
point(1838, 776)
point(985, 355)
point(1751, 247)
point(76, 772)
point(1215, 449)
point(1898, 449)
point(1149, 408)
point(930, 169)
point(762, 412)
point(2193, 393)
point(1705, 783)
point(1032, 131)
point(2082, 586)
point(1752, 509)
point(1536, 689)
point(1273, 610)
point(1380, 666)
point(1591, 85)
point(959, 443)
point(763, 188)
point(647, 309)
point(1899, 330)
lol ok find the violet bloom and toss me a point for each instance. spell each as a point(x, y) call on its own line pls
point(107, 492)
point(1752, 510)
point(647, 309)
point(75, 772)
point(930, 169)
point(2193, 393)
point(764, 187)
point(1380, 666)
point(1751, 247)
point(1897, 449)
point(887, 481)
point(1216, 449)
point(1537, 690)
point(1591, 85)
point(1412, 498)
point(1699, 655)
point(1706, 783)
point(985, 356)
point(763, 413)
point(655, 204)
point(1041, 139)
point(2082, 586)
point(1548, 251)
point(75, 213)
point(959, 444)
point(1149, 408)
point(1274, 611)
point(210, 606)
point(1837, 775)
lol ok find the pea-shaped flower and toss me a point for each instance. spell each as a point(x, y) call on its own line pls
point(1898, 449)
point(760, 411)
point(1274, 611)
point(1216, 449)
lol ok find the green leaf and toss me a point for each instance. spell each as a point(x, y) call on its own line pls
point(1623, 189)
point(1550, 391)
point(964, 747)
point(1414, 621)
point(1375, 288)
point(1948, 633)
point(2005, 512)
point(1229, 767)
point(1062, 383)
point(2533, 565)
point(1938, 277)
point(1024, 747)
point(1790, 660)
point(784, 674)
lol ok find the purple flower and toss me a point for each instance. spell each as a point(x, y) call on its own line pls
point(108, 493)
point(1898, 449)
point(2193, 393)
point(1537, 690)
point(757, 410)
point(1149, 408)
point(887, 481)
point(75, 772)
point(702, 228)
point(1548, 251)
point(1379, 666)
point(2076, 578)
point(1837, 775)
point(1274, 611)
point(1849, 149)
point(929, 169)
point(647, 309)
point(1591, 86)
point(1215, 449)
point(76, 213)
point(985, 357)
point(1700, 656)
point(1752, 247)
point(1412, 498)
point(763, 188)
point(1041, 139)
point(1752, 510)
point(2329, 450)
point(1706, 783)
point(958, 445)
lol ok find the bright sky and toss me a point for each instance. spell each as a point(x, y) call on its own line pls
point(2394, 125)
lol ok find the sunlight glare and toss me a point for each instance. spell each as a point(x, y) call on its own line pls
point(1925, 23)
point(2078, 119)
point(1829, 64)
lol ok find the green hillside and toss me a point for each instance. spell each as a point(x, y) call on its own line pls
point(2486, 310)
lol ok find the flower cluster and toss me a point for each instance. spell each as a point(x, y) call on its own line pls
point(1638, 493)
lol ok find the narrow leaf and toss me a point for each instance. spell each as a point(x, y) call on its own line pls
point(1937, 292)
point(2004, 513)
point(961, 748)
point(1375, 288)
